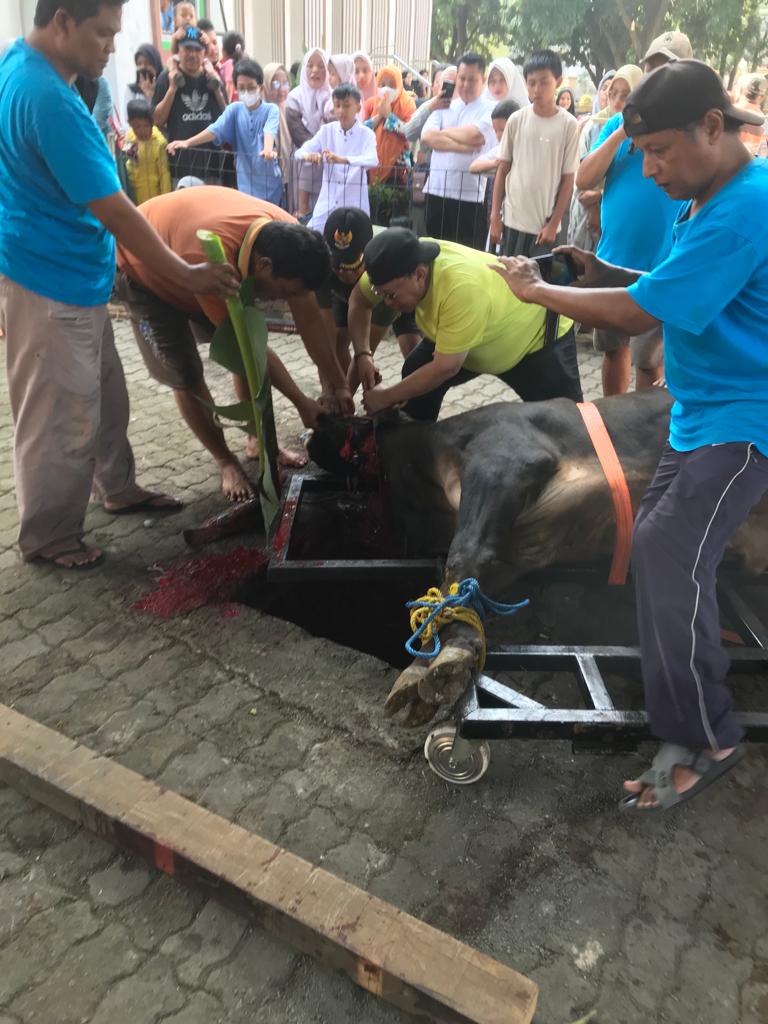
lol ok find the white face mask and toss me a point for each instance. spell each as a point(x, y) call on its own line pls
point(388, 91)
point(250, 99)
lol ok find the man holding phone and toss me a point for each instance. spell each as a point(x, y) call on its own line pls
point(442, 94)
point(474, 327)
point(711, 297)
point(457, 136)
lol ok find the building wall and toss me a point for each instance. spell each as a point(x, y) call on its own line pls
point(284, 29)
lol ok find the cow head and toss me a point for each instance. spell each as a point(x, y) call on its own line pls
point(346, 448)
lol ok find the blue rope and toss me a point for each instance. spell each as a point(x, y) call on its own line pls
point(469, 595)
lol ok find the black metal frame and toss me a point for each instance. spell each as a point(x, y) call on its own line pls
point(492, 710)
point(283, 567)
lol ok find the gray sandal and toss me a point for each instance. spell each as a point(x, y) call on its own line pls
point(660, 776)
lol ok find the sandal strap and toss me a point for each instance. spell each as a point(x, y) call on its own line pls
point(667, 757)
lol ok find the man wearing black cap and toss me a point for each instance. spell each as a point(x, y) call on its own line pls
point(347, 231)
point(472, 327)
point(188, 98)
point(711, 296)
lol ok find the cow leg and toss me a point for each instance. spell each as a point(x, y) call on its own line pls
point(502, 476)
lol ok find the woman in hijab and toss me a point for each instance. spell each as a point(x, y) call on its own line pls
point(277, 85)
point(386, 113)
point(600, 101)
point(304, 112)
point(148, 66)
point(364, 77)
point(505, 82)
point(341, 71)
point(584, 228)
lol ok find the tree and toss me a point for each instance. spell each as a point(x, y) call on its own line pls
point(603, 34)
point(600, 34)
point(725, 32)
point(461, 25)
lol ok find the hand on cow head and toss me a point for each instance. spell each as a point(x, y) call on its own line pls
point(345, 447)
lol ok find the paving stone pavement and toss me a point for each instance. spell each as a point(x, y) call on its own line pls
point(663, 921)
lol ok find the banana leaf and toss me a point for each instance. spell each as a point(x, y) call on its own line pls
point(240, 345)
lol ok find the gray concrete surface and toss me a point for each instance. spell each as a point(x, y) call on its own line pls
point(661, 921)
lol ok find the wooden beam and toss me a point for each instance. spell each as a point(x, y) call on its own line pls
point(384, 950)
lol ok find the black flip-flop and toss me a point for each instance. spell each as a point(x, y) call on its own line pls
point(660, 777)
point(148, 505)
point(76, 566)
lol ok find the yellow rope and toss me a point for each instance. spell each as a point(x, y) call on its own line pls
point(434, 596)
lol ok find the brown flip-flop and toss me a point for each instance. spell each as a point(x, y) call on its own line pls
point(149, 504)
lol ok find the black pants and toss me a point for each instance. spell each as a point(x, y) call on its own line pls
point(457, 221)
point(552, 372)
point(695, 503)
point(518, 243)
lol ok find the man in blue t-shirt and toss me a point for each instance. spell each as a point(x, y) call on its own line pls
point(711, 295)
point(60, 207)
point(637, 220)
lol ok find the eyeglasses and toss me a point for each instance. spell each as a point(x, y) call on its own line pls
point(387, 296)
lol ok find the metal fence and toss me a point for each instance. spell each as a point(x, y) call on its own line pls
point(452, 205)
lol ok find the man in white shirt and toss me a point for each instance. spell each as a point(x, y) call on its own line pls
point(457, 136)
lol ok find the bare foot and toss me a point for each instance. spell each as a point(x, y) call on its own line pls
point(235, 485)
point(292, 457)
point(73, 557)
point(683, 779)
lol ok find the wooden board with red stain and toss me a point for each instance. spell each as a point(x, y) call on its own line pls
point(387, 952)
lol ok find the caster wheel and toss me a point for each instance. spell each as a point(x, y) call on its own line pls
point(468, 764)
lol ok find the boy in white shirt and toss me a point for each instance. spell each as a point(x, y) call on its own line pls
point(538, 158)
point(457, 136)
point(346, 148)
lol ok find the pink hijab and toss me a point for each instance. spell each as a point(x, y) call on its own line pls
point(371, 90)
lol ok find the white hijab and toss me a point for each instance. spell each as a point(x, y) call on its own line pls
point(308, 101)
point(371, 90)
point(515, 82)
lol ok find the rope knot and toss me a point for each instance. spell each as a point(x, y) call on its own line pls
point(464, 602)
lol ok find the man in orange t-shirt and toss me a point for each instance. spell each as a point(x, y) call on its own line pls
point(286, 261)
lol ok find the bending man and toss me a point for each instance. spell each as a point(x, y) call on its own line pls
point(286, 261)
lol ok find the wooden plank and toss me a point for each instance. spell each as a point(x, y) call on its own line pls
point(387, 952)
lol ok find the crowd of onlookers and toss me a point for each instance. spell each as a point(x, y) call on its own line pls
point(493, 156)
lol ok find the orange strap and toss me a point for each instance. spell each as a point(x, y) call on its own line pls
point(622, 502)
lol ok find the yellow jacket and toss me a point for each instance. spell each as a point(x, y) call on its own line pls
point(147, 165)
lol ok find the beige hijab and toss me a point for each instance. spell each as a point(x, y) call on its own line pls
point(284, 143)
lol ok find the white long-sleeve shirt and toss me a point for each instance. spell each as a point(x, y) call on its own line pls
point(343, 184)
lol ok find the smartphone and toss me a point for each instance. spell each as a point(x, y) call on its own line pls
point(447, 91)
point(557, 268)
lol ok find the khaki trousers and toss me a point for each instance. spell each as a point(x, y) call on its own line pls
point(70, 411)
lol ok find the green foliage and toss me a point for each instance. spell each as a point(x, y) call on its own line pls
point(603, 34)
point(240, 345)
point(458, 26)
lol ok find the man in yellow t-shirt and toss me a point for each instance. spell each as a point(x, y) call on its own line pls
point(469, 324)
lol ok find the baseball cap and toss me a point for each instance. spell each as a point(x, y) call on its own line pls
point(396, 252)
point(191, 38)
point(347, 232)
point(189, 181)
point(678, 94)
point(672, 45)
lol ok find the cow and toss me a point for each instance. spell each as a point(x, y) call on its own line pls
point(504, 490)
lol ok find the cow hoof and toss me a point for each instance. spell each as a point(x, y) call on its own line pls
point(456, 760)
point(406, 689)
point(448, 675)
